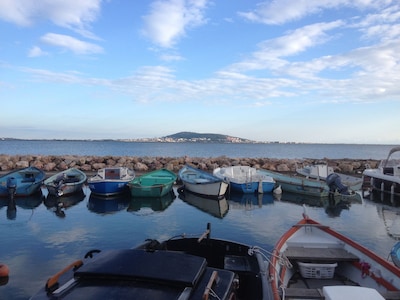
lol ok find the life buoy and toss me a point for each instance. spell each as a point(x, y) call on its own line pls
point(4, 270)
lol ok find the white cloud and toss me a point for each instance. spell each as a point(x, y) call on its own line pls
point(36, 52)
point(70, 43)
point(280, 12)
point(75, 15)
point(169, 20)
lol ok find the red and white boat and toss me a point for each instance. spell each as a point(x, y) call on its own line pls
point(313, 261)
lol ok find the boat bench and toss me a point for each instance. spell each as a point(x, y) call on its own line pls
point(303, 293)
point(319, 254)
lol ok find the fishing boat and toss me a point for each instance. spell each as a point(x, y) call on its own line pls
point(217, 207)
point(179, 268)
point(21, 183)
point(313, 261)
point(386, 177)
point(66, 182)
point(202, 183)
point(111, 181)
point(310, 187)
point(245, 179)
point(153, 184)
point(322, 171)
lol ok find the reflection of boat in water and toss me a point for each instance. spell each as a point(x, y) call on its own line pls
point(154, 203)
point(215, 207)
point(250, 201)
point(391, 220)
point(106, 205)
point(383, 198)
point(333, 205)
point(27, 202)
point(59, 204)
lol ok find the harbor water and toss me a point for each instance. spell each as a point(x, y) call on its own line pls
point(41, 236)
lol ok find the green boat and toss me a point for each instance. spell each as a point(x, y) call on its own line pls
point(153, 184)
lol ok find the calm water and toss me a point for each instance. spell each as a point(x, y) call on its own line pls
point(116, 148)
point(38, 239)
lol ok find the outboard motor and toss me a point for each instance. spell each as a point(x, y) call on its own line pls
point(334, 182)
point(11, 186)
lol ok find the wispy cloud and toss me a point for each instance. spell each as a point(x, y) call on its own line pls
point(70, 43)
point(168, 21)
point(36, 52)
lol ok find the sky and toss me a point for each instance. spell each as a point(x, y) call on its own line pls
point(312, 71)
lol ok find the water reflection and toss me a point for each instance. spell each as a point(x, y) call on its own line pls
point(108, 205)
point(155, 204)
point(215, 207)
point(250, 201)
point(383, 198)
point(29, 203)
point(58, 205)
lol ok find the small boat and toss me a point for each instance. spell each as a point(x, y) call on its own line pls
point(153, 184)
point(202, 183)
point(322, 171)
point(178, 268)
point(245, 179)
point(217, 207)
point(312, 261)
point(111, 181)
point(385, 178)
point(21, 183)
point(308, 186)
point(66, 182)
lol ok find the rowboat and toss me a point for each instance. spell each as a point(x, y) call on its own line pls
point(178, 268)
point(313, 261)
point(322, 171)
point(153, 184)
point(308, 186)
point(386, 177)
point(202, 183)
point(66, 182)
point(111, 181)
point(245, 179)
point(21, 183)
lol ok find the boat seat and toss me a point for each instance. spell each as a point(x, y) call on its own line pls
point(133, 264)
point(319, 254)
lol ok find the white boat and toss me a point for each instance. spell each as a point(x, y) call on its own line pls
point(66, 182)
point(111, 181)
point(322, 171)
point(312, 261)
point(202, 183)
point(246, 179)
point(385, 178)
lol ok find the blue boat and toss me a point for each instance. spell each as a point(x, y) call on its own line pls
point(245, 179)
point(111, 181)
point(21, 183)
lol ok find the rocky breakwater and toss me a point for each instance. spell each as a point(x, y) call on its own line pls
point(144, 164)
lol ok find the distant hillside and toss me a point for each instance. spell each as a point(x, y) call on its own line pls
point(206, 137)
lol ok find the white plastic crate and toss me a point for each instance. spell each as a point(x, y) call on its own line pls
point(308, 270)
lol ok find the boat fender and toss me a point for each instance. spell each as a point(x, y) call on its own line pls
point(90, 253)
point(365, 269)
point(4, 270)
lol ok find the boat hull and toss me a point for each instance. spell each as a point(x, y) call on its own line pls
point(24, 182)
point(154, 184)
point(65, 183)
point(108, 188)
point(111, 181)
point(314, 252)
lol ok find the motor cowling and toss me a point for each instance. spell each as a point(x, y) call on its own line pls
point(11, 186)
point(335, 183)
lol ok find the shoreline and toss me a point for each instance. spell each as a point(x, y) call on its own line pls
point(54, 163)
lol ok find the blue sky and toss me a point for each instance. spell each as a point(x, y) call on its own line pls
point(324, 71)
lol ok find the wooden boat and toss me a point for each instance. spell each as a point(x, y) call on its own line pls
point(385, 178)
point(202, 183)
point(67, 182)
point(153, 184)
point(245, 179)
point(111, 181)
point(307, 186)
point(322, 171)
point(216, 207)
point(21, 183)
point(178, 268)
point(312, 261)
